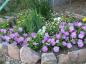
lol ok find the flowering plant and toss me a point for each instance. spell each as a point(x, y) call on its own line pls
point(69, 34)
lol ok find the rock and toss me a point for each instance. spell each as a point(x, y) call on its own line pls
point(29, 56)
point(48, 58)
point(82, 55)
point(73, 56)
point(12, 61)
point(63, 59)
point(13, 51)
point(2, 57)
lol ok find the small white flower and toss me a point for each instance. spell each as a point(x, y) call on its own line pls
point(44, 27)
point(59, 19)
point(20, 29)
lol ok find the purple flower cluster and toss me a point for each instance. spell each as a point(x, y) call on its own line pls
point(69, 34)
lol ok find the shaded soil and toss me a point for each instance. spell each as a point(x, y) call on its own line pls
point(77, 6)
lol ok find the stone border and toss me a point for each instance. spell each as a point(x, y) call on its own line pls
point(27, 55)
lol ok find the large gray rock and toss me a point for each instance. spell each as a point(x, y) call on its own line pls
point(2, 57)
point(63, 59)
point(48, 58)
point(13, 52)
point(29, 56)
point(82, 56)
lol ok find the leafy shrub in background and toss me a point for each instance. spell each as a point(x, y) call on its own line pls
point(30, 20)
point(41, 6)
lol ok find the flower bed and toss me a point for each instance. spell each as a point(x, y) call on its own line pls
point(69, 35)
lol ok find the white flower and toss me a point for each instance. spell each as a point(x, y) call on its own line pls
point(20, 29)
point(39, 31)
point(59, 19)
point(44, 27)
point(42, 31)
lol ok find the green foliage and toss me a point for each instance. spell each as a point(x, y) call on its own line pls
point(52, 27)
point(4, 25)
point(68, 19)
point(37, 41)
point(41, 6)
point(30, 21)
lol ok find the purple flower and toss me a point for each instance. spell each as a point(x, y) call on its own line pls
point(5, 44)
point(53, 42)
point(12, 35)
point(45, 49)
point(57, 41)
point(78, 24)
point(64, 36)
point(80, 43)
point(73, 34)
point(81, 35)
point(46, 38)
point(84, 27)
point(16, 34)
point(66, 33)
point(19, 40)
point(11, 30)
point(7, 38)
point(56, 49)
point(58, 36)
point(49, 40)
point(73, 41)
point(33, 35)
point(69, 45)
point(3, 30)
point(64, 43)
point(62, 30)
point(27, 39)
